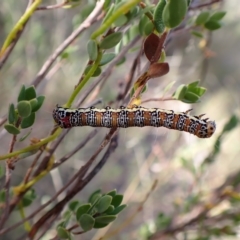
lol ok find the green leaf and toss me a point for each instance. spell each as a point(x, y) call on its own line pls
point(174, 12)
point(142, 23)
point(95, 196)
point(162, 221)
point(110, 210)
point(217, 16)
point(193, 84)
point(188, 164)
point(24, 108)
point(12, 116)
point(190, 98)
point(103, 203)
point(112, 193)
point(33, 103)
point(40, 100)
point(2, 195)
point(121, 61)
point(28, 198)
point(111, 40)
point(73, 205)
point(105, 219)
point(29, 121)
point(96, 73)
point(117, 200)
point(212, 25)
point(87, 9)
point(22, 94)
point(2, 172)
point(148, 28)
point(121, 21)
point(92, 50)
point(83, 209)
point(202, 18)
point(87, 222)
point(180, 92)
point(10, 128)
point(100, 225)
point(197, 34)
point(68, 51)
point(118, 209)
point(106, 58)
point(107, 4)
point(63, 233)
point(168, 87)
point(231, 124)
point(25, 136)
point(157, 16)
point(109, 13)
point(30, 93)
point(198, 91)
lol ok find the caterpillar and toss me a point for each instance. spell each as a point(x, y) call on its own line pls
point(134, 117)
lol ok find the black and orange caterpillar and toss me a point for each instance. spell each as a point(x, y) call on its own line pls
point(134, 117)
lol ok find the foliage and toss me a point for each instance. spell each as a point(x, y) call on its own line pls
point(111, 32)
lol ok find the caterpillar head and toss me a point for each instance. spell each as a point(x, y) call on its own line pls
point(208, 130)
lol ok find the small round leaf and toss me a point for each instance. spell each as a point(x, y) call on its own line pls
point(82, 210)
point(96, 73)
point(34, 103)
point(110, 210)
point(212, 25)
point(105, 219)
point(29, 121)
point(217, 16)
point(100, 225)
point(117, 200)
point(111, 40)
point(190, 97)
point(174, 12)
point(118, 209)
point(95, 196)
point(30, 93)
point(11, 129)
point(180, 92)
point(103, 203)
point(121, 21)
point(202, 18)
point(148, 29)
point(12, 116)
point(106, 58)
point(22, 94)
point(24, 108)
point(40, 100)
point(92, 50)
point(73, 205)
point(87, 222)
point(63, 233)
point(112, 193)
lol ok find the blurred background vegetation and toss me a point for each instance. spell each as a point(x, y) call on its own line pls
point(186, 173)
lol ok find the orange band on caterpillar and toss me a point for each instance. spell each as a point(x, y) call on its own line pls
point(134, 117)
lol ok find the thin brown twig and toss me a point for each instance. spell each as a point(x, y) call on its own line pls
point(199, 212)
point(52, 58)
point(30, 169)
point(76, 149)
point(79, 185)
